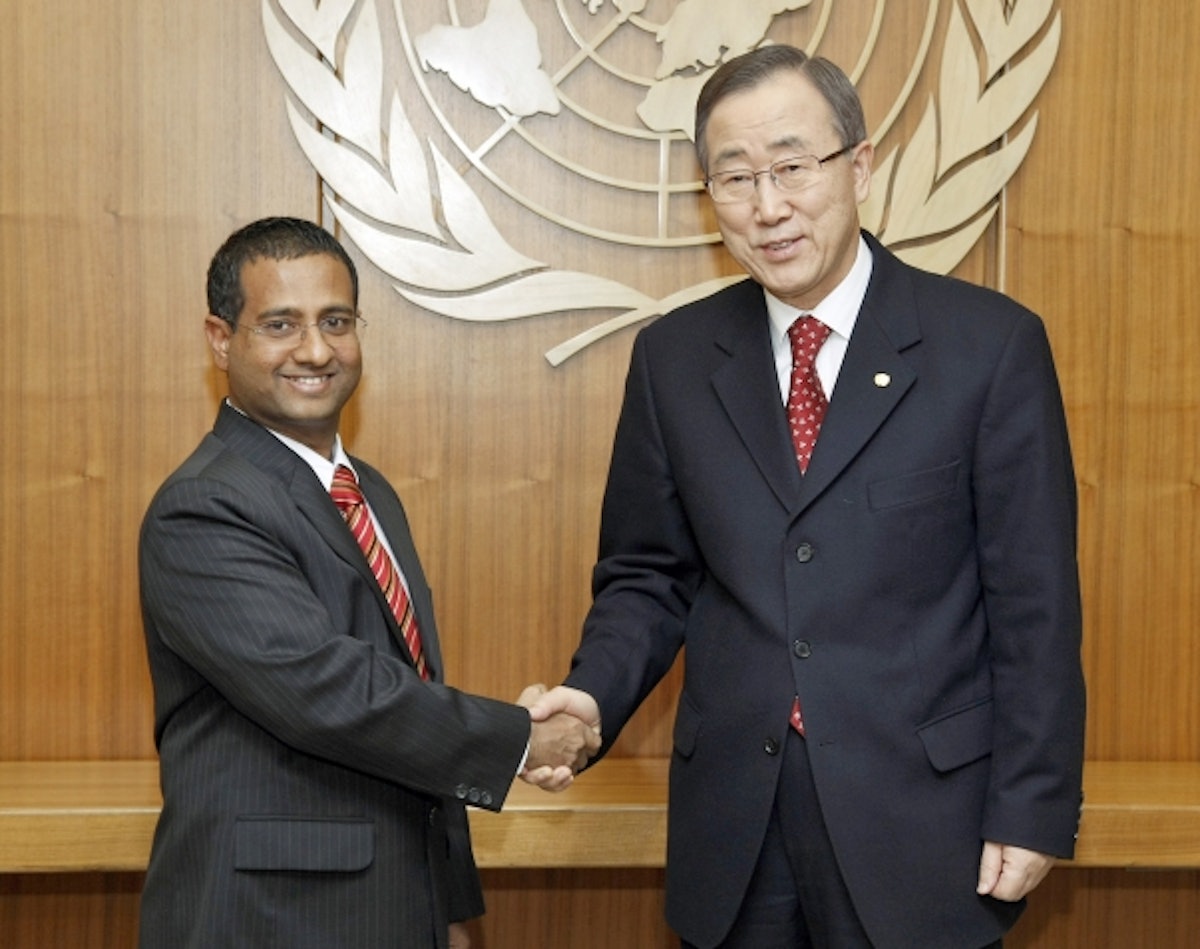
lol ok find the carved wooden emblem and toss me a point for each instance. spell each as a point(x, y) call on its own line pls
point(626, 87)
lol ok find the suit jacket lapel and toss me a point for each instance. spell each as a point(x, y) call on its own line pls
point(873, 379)
point(874, 376)
point(267, 453)
point(748, 388)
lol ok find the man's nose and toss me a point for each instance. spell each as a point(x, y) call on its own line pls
point(770, 201)
point(313, 346)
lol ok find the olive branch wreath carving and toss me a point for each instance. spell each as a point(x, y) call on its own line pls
point(932, 198)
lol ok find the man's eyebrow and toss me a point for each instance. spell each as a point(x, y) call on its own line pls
point(728, 154)
point(276, 312)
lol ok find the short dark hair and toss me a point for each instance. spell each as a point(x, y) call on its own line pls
point(755, 67)
point(273, 238)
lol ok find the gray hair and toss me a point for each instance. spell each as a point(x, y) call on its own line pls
point(755, 67)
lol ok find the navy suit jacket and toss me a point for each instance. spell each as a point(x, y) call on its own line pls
point(313, 785)
point(917, 588)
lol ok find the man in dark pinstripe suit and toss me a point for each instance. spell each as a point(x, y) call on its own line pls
point(314, 784)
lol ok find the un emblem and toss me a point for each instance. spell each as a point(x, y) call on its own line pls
point(604, 90)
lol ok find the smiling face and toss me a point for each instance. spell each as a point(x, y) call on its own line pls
point(799, 245)
point(297, 387)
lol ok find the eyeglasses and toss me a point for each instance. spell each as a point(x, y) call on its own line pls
point(787, 174)
point(334, 327)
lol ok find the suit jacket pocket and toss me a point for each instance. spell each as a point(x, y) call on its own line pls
point(913, 488)
point(960, 737)
point(294, 843)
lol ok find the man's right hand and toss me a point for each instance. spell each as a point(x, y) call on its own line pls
point(564, 735)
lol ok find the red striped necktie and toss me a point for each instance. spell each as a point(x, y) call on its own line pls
point(350, 501)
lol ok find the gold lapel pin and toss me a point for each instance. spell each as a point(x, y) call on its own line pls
point(882, 380)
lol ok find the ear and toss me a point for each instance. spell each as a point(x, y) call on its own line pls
point(863, 158)
point(220, 335)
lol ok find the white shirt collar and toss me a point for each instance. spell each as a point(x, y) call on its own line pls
point(839, 310)
point(322, 467)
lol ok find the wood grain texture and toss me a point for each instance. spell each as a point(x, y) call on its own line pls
point(135, 149)
point(1102, 241)
point(80, 816)
point(616, 909)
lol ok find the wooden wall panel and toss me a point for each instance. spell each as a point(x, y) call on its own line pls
point(134, 142)
point(1111, 909)
point(595, 909)
point(137, 136)
point(70, 911)
point(1103, 241)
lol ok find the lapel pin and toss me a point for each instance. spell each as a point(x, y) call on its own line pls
point(882, 380)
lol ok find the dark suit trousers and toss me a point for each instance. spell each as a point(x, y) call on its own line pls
point(797, 898)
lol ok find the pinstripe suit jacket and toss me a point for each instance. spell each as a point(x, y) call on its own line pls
point(313, 786)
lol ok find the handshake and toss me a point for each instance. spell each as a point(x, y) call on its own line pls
point(565, 734)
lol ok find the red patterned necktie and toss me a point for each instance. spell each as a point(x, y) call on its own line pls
point(806, 411)
point(350, 501)
point(806, 399)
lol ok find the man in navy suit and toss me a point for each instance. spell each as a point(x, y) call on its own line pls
point(879, 738)
point(314, 766)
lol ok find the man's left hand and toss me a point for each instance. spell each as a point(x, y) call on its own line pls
point(1010, 873)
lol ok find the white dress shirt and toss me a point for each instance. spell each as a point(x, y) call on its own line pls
point(838, 311)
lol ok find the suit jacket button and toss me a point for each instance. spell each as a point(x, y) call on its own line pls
point(485, 798)
point(802, 649)
point(771, 746)
point(461, 792)
point(804, 553)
